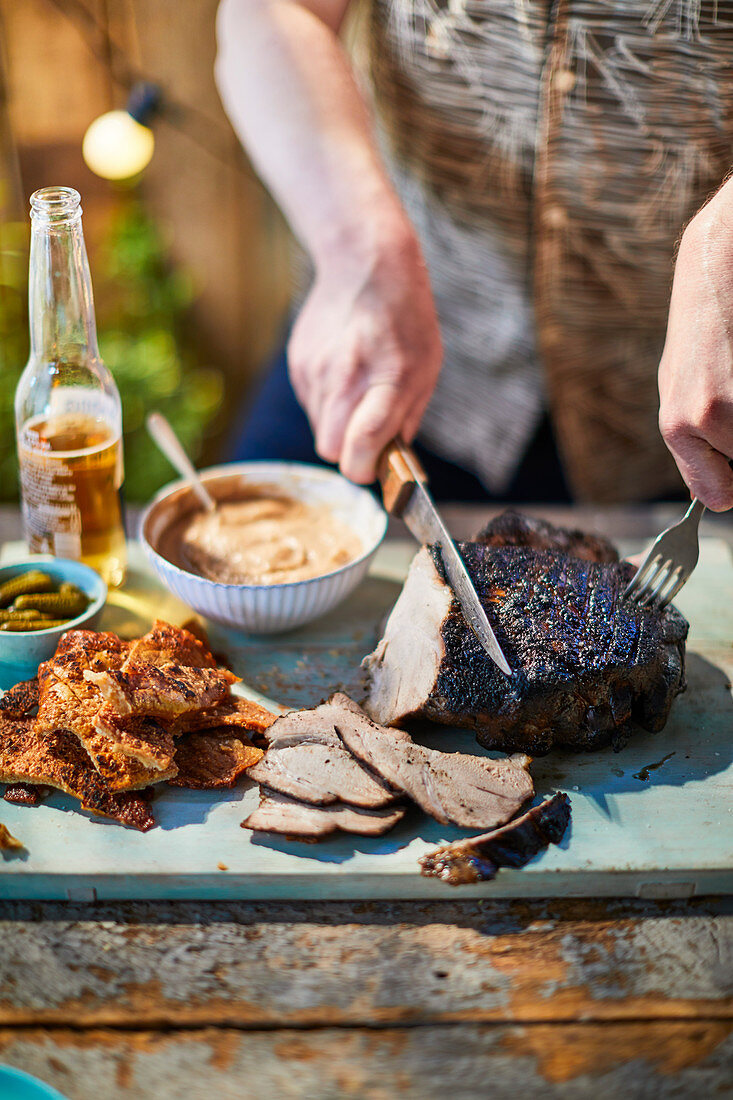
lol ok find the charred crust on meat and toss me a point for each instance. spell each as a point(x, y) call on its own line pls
point(56, 758)
point(233, 711)
point(134, 810)
point(574, 645)
point(166, 644)
point(84, 745)
point(22, 794)
point(585, 661)
point(20, 701)
point(478, 858)
point(515, 529)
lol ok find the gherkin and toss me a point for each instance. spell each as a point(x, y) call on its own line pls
point(19, 626)
point(32, 581)
point(65, 606)
point(12, 615)
point(66, 588)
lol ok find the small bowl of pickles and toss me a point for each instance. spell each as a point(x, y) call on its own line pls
point(40, 599)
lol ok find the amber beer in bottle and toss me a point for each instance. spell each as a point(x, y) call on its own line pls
point(67, 408)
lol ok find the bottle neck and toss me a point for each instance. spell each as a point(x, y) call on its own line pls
point(61, 306)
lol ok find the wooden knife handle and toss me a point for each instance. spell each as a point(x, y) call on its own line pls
point(398, 470)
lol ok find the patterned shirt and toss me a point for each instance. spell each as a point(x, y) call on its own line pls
point(550, 153)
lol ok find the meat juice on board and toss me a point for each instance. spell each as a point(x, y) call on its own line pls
point(67, 407)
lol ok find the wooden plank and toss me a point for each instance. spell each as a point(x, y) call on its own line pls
point(635, 832)
point(666, 1061)
point(368, 964)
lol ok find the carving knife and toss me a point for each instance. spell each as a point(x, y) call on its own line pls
point(405, 494)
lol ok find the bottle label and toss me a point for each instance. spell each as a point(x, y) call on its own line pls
point(67, 544)
point(51, 516)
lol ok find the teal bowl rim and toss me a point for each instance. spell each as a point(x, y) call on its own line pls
point(48, 1092)
point(60, 566)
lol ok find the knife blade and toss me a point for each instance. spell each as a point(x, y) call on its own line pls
point(405, 493)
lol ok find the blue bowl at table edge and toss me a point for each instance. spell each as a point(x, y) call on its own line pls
point(22, 653)
point(15, 1084)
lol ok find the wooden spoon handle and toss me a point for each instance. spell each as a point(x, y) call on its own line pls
point(398, 470)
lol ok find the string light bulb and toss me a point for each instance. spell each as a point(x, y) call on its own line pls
point(119, 145)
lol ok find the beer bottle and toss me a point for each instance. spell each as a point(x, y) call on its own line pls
point(67, 407)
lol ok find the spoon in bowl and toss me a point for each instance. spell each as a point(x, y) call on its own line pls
point(166, 439)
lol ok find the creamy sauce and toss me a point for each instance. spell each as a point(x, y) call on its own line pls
point(267, 540)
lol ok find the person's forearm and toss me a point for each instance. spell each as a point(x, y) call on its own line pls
point(365, 351)
point(290, 94)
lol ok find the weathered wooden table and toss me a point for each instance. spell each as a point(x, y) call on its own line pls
point(376, 1000)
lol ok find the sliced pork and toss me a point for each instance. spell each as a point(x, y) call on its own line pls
point(473, 792)
point(307, 759)
point(479, 857)
point(277, 813)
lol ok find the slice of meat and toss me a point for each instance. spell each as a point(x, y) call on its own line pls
point(165, 644)
point(21, 700)
point(133, 809)
point(515, 529)
point(585, 661)
point(478, 858)
point(22, 794)
point(95, 649)
point(307, 759)
point(166, 692)
point(212, 759)
point(166, 673)
point(277, 813)
point(473, 792)
point(74, 705)
point(55, 758)
point(142, 739)
point(197, 628)
point(233, 711)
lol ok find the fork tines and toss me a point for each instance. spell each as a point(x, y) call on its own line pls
point(669, 563)
point(653, 576)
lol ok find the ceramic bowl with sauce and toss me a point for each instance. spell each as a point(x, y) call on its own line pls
point(263, 608)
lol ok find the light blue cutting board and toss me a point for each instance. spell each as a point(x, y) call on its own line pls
point(665, 832)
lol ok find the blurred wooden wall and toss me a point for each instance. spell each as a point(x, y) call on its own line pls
point(67, 62)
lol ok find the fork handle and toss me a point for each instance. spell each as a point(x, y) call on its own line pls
point(695, 511)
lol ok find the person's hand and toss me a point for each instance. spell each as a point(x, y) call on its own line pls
point(696, 370)
point(365, 351)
